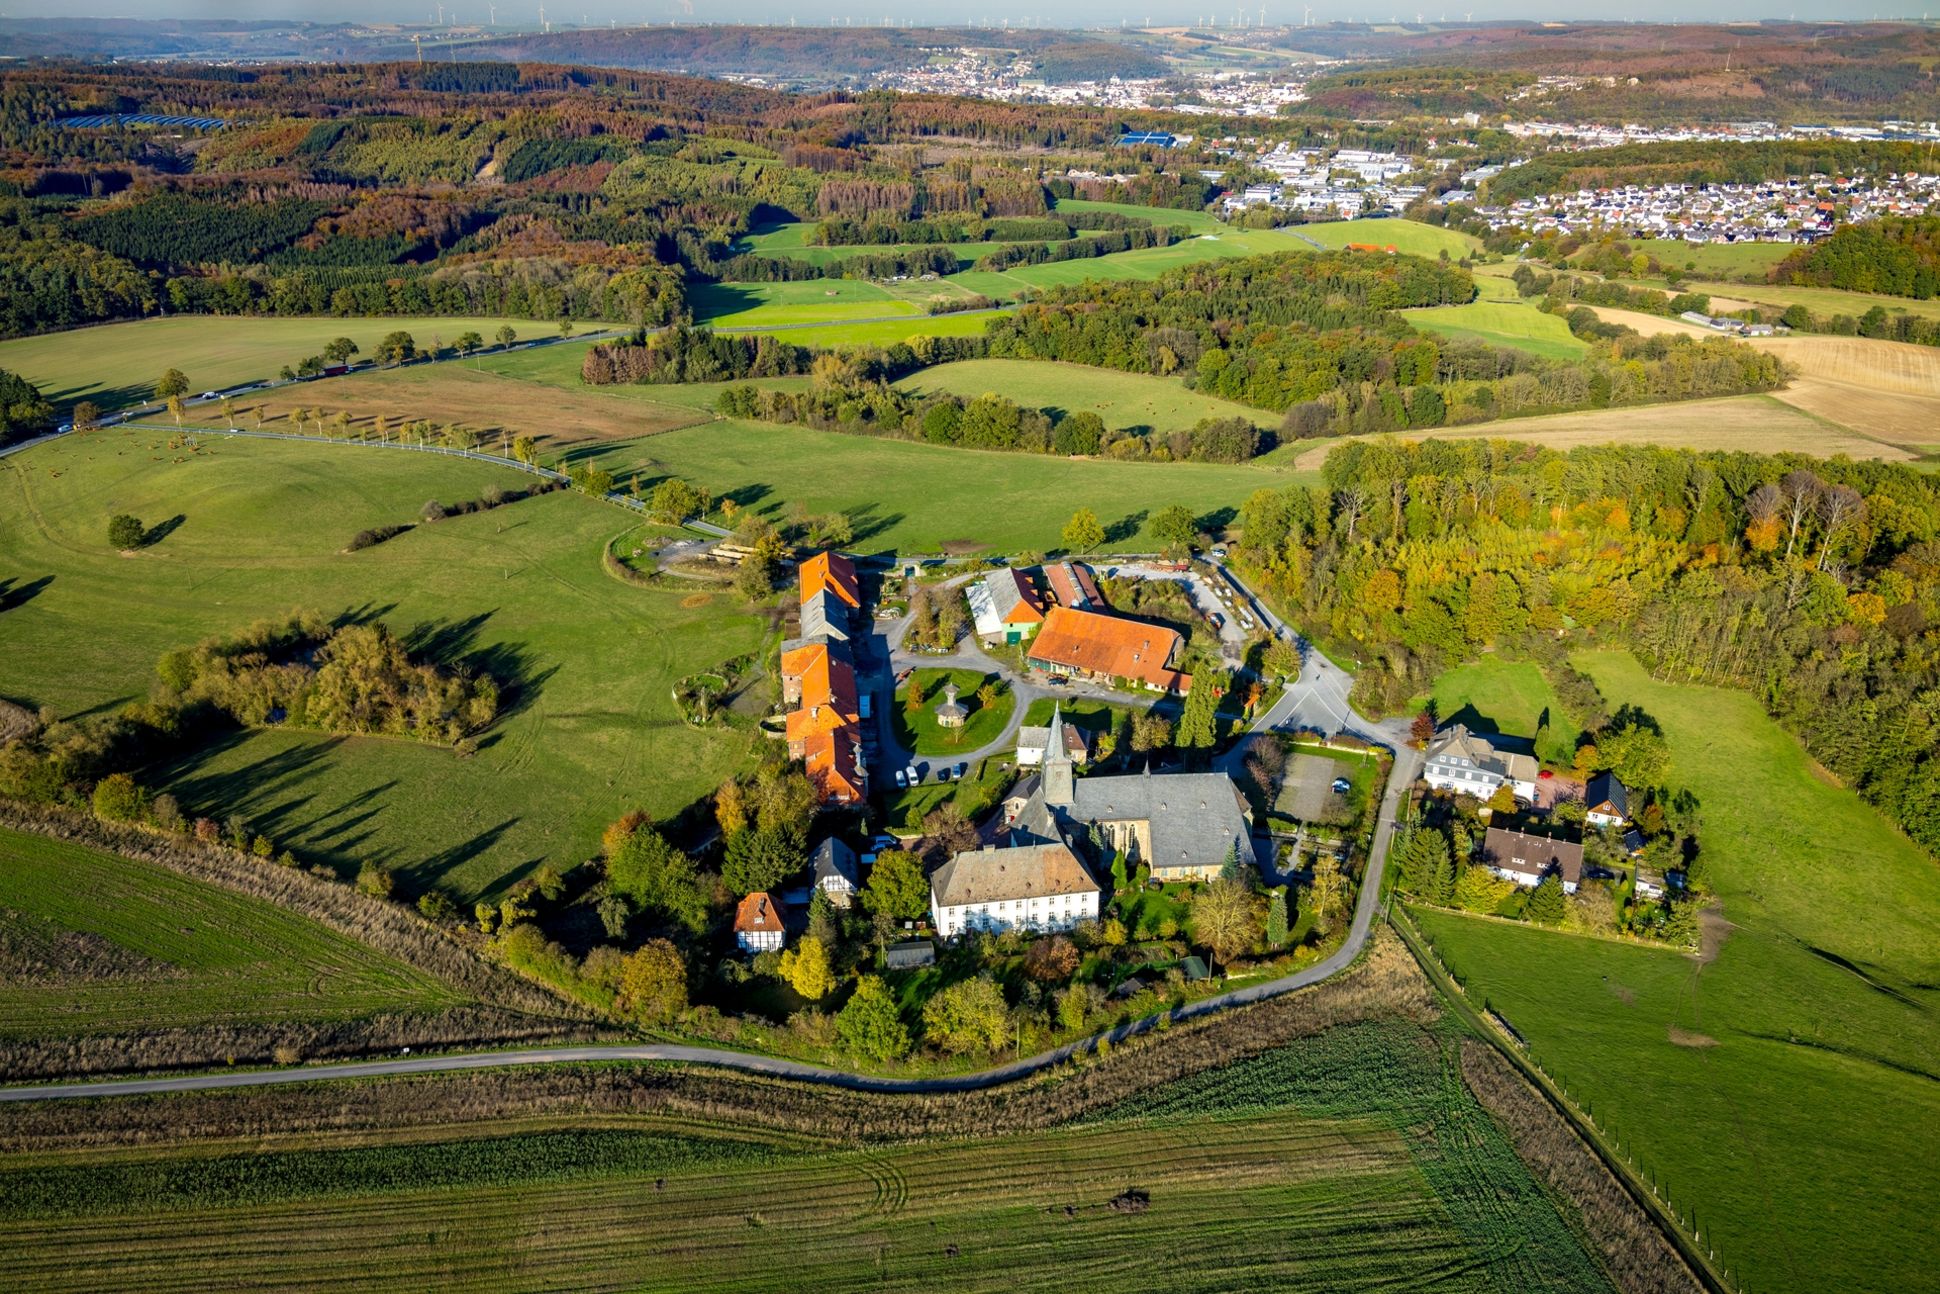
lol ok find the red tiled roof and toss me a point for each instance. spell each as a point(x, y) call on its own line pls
point(830, 760)
point(831, 571)
point(1109, 645)
point(759, 913)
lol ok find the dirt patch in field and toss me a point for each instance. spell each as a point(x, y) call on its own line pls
point(1686, 1038)
point(1713, 930)
point(497, 408)
point(693, 600)
point(1910, 423)
point(1622, 994)
point(1755, 424)
point(35, 949)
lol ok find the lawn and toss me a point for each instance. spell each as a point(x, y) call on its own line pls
point(1495, 694)
point(975, 794)
point(1409, 237)
point(94, 943)
point(589, 728)
point(1501, 323)
point(118, 364)
point(1351, 1161)
point(1783, 1092)
point(921, 732)
point(1122, 400)
point(915, 498)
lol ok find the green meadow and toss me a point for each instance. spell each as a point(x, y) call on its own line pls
point(256, 528)
point(1121, 399)
point(1501, 323)
point(1409, 237)
point(91, 942)
point(917, 497)
point(1781, 1089)
point(1491, 694)
point(118, 364)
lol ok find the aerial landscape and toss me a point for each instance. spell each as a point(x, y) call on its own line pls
point(1161, 651)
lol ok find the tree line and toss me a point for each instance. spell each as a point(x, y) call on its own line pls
point(1815, 585)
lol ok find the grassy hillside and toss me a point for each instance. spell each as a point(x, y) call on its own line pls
point(918, 497)
point(1773, 1085)
point(1406, 236)
point(1500, 323)
point(117, 364)
point(91, 942)
point(1121, 399)
point(590, 728)
point(1511, 697)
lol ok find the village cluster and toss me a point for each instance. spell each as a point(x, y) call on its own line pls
point(1330, 183)
point(1228, 93)
point(1797, 210)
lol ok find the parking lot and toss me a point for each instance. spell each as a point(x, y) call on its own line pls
point(1306, 789)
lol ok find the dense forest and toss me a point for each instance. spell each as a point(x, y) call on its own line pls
point(1896, 257)
point(24, 411)
point(1813, 584)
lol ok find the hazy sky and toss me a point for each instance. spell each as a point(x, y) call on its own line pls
point(1049, 13)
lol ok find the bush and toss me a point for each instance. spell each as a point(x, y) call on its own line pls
point(118, 799)
point(376, 880)
point(125, 532)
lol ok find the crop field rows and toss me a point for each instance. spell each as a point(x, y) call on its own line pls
point(1353, 1160)
point(178, 951)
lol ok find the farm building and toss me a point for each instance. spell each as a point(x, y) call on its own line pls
point(833, 573)
point(1108, 649)
point(910, 954)
point(1005, 606)
point(1072, 586)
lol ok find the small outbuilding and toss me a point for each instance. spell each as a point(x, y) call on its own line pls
point(952, 713)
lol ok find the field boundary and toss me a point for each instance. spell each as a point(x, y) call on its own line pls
point(1701, 1261)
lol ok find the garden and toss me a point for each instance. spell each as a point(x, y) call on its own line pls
point(985, 699)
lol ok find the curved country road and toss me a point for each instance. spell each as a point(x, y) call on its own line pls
point(1364, 911)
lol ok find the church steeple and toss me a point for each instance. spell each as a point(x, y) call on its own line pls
point(1059, 774)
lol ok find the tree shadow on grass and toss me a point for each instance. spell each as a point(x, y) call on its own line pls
point(430, 872)
point(162, 530)
point(868, 523)
point(1126, 528)
point(18, 593)
point(453, 644)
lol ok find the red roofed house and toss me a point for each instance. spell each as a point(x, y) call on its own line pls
point(758, 924)
point(1108, 649)
point(1005, 606)
point(834, 766)
point(828, 702)
point(1072, 585)
point(833, 573)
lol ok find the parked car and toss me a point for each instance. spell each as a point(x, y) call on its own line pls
point(900, 779)
point(915, 776)
point(961, 770)
point(1219, 552)
point(1342, 786)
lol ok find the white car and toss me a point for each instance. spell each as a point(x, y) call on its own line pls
point(900, 779)
point(915, 778)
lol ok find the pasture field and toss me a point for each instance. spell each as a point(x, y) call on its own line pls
point(1794, 1057)
point(93, 943)
point(883, 332)
point(788, 242)
point(1122, 400)
point(1715, 260)
point(1510, 697)
point(748, 306)
point(118, 364)
point(1501, 323)
point(588, 728)
point(1355, 1160)
point(498, 408)
point(1409, 237)
point(1759, 424)
point(916, 497)
point(1825, 302)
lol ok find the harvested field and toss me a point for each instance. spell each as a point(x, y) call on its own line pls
point(495, 407)
point(1760, 424)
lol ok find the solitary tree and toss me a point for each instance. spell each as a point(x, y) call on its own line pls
point(1546, 902)
point(172, 382)
point(125, 532)
point(807, 969)
point(396, 348)
point(174, 404)
point(1225, 918)
point(469, 342)
point(1176, 529)
point(870, 1025)
point(896, 887)
point(1083, 532)
point(968, 1016)
point(507, 334)
point(339, 350)
point(1328, 892)
point(87, 416)
point(653, 983)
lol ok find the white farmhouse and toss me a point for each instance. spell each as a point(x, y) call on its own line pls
point(1459, 761)
point(1029, 887)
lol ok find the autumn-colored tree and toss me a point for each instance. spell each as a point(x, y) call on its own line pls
point(807, 968)
point(1051, 960)
point(1327, 893)
point(653, 983)
point(968, 1016)
point(1226, 918)
point(1083, 532)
